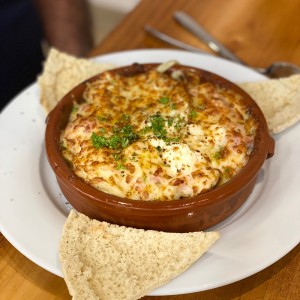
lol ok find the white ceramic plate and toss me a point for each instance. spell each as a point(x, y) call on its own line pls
point(33, 210)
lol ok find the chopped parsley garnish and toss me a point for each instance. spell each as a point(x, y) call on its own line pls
point(99, 141)
point(134, 157)
point(193, 114)
point(228, 172)
point(220, 153)
point(120, 166)
point(178, 125)
point(121, 138)
point(173, 106)
point(102, 130)
point(172, 139)
point(102, 118)
point(170, 121)
point(123, 133)
point(75, 108)
point(116, 156)
point(164, 100)
point(125, 118)
point(158, 127)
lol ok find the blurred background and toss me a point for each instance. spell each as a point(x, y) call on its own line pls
point(28, 28)
point(106, 14)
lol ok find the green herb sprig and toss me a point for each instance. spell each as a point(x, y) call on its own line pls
point(121, 138)
point(158, 127)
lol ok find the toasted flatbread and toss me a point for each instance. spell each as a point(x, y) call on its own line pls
point(105, 261)
point(61, 73)
point(279, 100)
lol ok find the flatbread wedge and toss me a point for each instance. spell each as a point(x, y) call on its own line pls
point(61, 73)
point(105, 261)
point(279, 100)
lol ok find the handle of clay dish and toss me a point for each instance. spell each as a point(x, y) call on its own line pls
point(271, 147)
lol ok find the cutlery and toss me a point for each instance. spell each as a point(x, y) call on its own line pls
point(172, 41)
point(190, 24)
point(275, 70)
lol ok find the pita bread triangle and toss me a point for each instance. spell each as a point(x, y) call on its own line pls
point(61, 73)
point(279, 100)
point(106, 261)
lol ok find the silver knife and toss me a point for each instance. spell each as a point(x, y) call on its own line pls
point(193, 26)
point(172, 41)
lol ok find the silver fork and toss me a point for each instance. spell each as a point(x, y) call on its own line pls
point(275, 70)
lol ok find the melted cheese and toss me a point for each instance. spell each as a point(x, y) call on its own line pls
point(154, 136)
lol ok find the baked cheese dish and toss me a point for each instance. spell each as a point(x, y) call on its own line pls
point(158, 135)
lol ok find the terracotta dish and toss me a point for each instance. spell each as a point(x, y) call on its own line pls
point(184, 215)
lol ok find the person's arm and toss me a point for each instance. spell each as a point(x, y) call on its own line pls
point(66, 25)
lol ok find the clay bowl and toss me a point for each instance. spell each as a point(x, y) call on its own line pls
point(184, 215)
